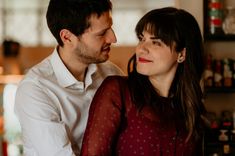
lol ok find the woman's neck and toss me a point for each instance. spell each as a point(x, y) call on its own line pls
point(162, 86)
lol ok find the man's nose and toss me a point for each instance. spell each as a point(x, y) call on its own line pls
point(111, 38)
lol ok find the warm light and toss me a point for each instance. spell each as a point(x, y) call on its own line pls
point(5, 79)
point(10, 124)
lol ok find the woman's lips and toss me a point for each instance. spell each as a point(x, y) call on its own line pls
point(143, 60)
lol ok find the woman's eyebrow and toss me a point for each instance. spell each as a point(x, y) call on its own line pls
point(155, 38)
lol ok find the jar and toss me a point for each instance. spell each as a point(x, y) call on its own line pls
point(223, 135)
point(232, 136)
point(215, 15)
point(229, 21)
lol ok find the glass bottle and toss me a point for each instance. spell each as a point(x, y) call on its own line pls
point(209, 74)
point(229, 21)
point(218, 73)
point(215, 15)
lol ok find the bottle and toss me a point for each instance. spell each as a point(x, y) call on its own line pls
point(226, 150)
point(226, 129)
point(215, 14)
point(233, 118)
point(229, 21)
point(226, 120)
point(232, 136)
point(218, 73)
point(227, 73)
point(208, 76)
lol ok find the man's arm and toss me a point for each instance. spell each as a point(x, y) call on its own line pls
point(44, 134)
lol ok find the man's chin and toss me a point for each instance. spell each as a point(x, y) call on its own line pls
point(105, 56)
point(102, 60)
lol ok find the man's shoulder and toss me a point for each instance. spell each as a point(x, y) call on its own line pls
point(39, 71)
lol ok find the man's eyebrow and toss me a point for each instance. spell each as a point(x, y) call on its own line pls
point(101, 31)
point(105, 29)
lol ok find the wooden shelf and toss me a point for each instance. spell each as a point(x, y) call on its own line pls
point(219, 37)
point(220, 143)
point(220, 90)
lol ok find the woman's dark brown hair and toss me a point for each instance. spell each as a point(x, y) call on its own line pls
point(178, 29)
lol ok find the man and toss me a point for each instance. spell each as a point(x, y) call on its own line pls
point(53, 100)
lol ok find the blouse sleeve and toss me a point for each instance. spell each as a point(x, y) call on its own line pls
point(104, 119)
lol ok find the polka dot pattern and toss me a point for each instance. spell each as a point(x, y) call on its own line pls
point(132, 133)
point(142, 136)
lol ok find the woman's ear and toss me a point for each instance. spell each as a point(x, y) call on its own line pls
point(181, 56)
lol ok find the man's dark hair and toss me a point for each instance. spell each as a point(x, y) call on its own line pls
point(73, 15)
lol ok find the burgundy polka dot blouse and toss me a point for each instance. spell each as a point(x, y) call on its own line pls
point(116, 127)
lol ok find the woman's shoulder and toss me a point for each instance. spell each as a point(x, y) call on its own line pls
point(115, 79)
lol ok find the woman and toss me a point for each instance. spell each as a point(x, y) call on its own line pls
point(157, 110)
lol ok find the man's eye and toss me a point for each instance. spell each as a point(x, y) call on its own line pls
point(102, 34)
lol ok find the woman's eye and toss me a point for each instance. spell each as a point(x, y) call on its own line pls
point(140, 38)
point(158, 43)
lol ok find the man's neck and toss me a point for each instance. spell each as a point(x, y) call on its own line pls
point(76, 67)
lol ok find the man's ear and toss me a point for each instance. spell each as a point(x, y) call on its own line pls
point(181, 56)
point(66, 36)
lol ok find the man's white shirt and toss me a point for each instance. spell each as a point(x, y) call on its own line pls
point(52, 106)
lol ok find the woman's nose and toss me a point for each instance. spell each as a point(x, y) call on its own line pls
point(142, 47)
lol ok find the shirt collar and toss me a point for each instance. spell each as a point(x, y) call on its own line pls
point(90, 71)
point(65, 77)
